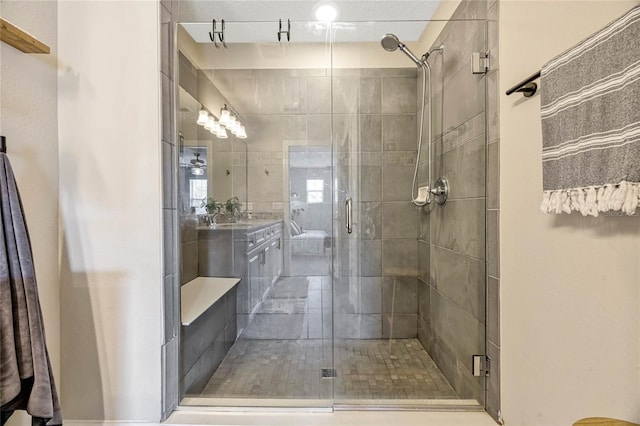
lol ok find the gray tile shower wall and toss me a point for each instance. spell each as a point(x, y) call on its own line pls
point(375, 142)
point(170, 229)
point(452, 271)
point(205, 342)
point(374, 139)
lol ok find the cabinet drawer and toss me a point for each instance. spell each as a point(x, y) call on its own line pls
point(255, 238)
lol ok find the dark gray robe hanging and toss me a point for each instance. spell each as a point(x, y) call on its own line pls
point(26, 379)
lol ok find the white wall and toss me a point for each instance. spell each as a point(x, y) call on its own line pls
point(29, 95)
point(110, 209)
point(570, 285)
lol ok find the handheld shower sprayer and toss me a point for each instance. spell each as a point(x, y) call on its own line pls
point(391, 43)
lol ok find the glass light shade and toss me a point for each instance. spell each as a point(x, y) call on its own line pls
point(235, 127)
point(203, 117)
point(222, 133)
point(225, 116)
point(242, 133)
point(211, 122)
point(215, 128)
point(197, 171)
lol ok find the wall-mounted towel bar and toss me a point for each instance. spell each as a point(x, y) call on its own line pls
point(527, 87)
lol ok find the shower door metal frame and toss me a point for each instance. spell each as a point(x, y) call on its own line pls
point(335, 404)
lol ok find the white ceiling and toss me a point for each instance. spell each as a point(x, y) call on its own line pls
point(358, 21)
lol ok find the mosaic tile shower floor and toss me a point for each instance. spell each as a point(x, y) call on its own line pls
point(281, 353)
point(366, 369)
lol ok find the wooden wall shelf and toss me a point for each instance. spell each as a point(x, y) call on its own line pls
point(21, 40)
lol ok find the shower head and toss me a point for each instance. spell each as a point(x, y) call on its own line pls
point(390, 43)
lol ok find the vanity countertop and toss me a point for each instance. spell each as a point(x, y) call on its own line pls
point(243, 225)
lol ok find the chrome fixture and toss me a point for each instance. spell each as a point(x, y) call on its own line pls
point(440, 190)
point(479, 62)
point(348, 205)
point(390, 43)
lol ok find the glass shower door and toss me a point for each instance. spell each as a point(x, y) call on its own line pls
point(387, 297)
point(408, 281)
point(281, 248)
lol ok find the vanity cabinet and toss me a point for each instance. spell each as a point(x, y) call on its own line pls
point(258, 261)
point(250, 251)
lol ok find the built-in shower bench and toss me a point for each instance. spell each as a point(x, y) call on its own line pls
point(209, 327)
point(200, 294)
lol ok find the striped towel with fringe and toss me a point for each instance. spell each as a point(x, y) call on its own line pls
point(590, 108)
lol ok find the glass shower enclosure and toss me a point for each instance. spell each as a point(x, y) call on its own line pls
point(349, 295)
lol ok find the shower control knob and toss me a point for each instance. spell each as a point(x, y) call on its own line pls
point(440, 191)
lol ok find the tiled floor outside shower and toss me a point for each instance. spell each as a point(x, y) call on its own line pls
point(281, 354)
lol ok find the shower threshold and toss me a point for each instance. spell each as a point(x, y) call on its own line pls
point(325, 405)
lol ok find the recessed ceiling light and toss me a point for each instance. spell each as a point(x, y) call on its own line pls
point(326, 12)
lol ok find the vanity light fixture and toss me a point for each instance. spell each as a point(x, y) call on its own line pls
point(235, 127)
point(242, 134)
point(211, 122)
point(225, 116)
point(203, 117)
point(222, 133)
point(229, 121)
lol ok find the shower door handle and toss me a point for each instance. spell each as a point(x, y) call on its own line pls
point(349, 215)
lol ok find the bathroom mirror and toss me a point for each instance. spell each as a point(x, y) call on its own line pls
point(206, 161)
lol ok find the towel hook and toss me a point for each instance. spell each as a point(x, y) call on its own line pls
point(213, 32)
point(288, 32)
